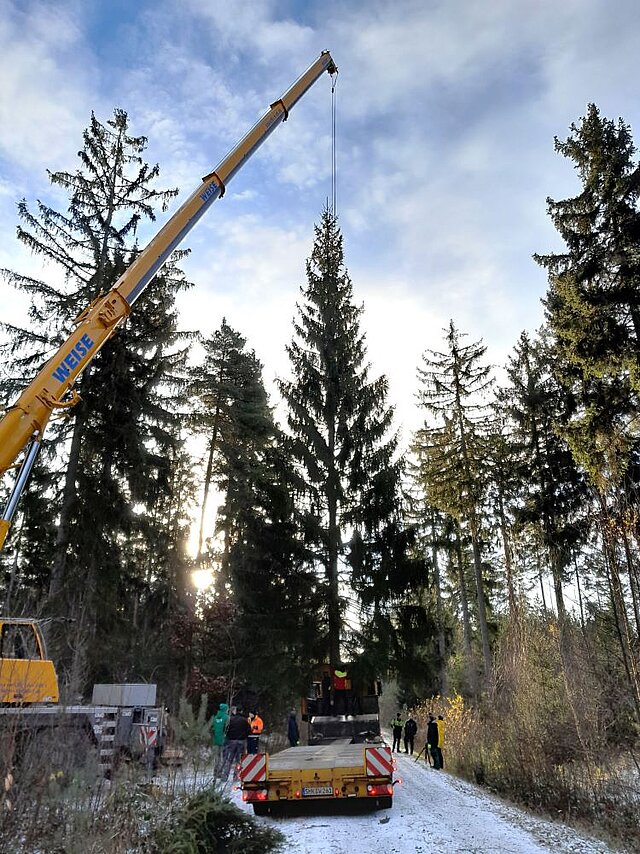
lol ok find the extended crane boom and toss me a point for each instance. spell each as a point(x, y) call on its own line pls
point(25, 421)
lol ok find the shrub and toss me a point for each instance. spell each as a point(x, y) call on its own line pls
point(210, 824)
point(544, 735)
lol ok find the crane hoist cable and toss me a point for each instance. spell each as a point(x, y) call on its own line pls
point(334, 80)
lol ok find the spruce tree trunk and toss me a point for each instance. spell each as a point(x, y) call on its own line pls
point(334, 620)
point(58, 570)
point(207, 477)
point(580, 602)
point(440, 638)
point(464, 604)
point(619, 606)
point(541, 580)
point(333, 532)
point(633, 578)
point(14, 575)
point(482, 607)
point(474, 530)
point(334, 596)
point(556, 563)
point(508, 560)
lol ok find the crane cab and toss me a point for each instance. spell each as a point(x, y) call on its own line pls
point(26, 674)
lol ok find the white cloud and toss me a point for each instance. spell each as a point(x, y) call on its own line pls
point(257, 29)
point(47, 76)
point(446, 117)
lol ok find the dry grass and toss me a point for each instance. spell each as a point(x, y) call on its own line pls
point(544, 738)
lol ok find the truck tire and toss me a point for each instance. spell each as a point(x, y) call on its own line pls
point(384, 803)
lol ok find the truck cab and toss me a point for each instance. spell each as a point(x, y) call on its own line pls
point(26, 674)
point(339, 706)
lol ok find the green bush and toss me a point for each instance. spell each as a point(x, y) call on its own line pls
point(210, 824)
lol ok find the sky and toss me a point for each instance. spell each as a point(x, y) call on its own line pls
point(446, 117)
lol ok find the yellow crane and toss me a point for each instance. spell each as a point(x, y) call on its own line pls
point(23, 425)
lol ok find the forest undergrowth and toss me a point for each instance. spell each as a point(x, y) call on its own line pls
point(548, 736)
point(174, 809)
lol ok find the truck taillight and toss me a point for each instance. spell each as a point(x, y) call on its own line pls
point(378, 789)
point(250, 795)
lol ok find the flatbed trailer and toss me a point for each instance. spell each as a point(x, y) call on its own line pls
point(337, 771)
point(108, 730)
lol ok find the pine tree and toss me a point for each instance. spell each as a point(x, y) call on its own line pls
point(340, 425)
point(118, 436)
point(554, 489)
point(261, 568)
point(594, 315)
point(452, 451)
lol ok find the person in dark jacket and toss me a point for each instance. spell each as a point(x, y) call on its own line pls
point(433, 741)
point(293, 733)
point(234, 745)
point(440, 724)
point(396, 729)
point(410, 730)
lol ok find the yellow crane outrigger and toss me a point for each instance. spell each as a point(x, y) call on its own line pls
point(24, 423)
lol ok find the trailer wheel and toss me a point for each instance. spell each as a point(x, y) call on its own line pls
point(261, 809)
point(384, 803)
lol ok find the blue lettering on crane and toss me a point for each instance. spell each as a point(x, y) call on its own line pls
point(211, 189)
point(73, 358)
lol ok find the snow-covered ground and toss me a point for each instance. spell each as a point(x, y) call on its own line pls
point(433, 813)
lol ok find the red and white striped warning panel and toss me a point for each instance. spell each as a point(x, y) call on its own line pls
point(379, 761)
point(253, 768)
point(148, 736)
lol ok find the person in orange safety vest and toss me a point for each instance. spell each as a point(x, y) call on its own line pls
point(256, 724)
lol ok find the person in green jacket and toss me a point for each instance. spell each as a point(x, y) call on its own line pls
point(218, 726)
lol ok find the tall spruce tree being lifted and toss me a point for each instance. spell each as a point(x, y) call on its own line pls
point(340, 424)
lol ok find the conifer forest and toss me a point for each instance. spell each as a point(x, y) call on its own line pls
point(488, 564)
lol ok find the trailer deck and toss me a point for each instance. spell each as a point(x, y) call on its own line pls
point(340, 753)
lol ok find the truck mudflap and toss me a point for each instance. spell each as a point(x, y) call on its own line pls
point(370, 780)
point(253, 767)
point(379, 761)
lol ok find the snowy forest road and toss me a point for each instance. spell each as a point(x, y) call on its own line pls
point(433, 813)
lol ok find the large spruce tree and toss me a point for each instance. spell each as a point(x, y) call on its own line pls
point(232, 411)
point(260, 565)
point(593, 310)
point(341, 428)
point(108, 456)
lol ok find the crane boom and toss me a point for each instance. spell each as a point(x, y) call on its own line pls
point(25, 421)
